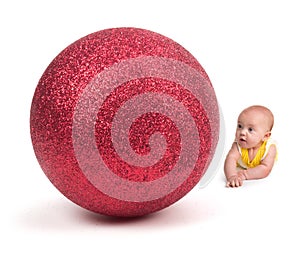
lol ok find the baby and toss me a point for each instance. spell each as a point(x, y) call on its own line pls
point(253, 153)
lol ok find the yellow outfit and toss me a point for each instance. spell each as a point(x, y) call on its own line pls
point(244, 160)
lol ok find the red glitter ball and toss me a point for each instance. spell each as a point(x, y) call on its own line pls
point(124, 122)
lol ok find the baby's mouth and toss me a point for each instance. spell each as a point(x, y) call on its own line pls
point(242, 140)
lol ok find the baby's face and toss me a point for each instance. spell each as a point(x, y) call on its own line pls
point(251, 129)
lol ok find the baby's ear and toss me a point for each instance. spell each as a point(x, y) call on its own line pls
point(267, 135)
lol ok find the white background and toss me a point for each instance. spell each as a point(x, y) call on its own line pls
point(250, 50)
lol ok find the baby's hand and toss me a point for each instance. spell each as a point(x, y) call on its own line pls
point(236, 180)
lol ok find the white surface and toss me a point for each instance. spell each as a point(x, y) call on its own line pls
point(251, 52)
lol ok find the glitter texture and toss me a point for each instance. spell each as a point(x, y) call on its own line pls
point(124, 122)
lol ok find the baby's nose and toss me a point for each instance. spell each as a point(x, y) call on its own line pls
point(243, 132)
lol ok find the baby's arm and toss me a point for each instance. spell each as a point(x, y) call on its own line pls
point(232, 176)
point(265, 167)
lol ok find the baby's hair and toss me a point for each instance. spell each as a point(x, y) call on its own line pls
point(267, 112)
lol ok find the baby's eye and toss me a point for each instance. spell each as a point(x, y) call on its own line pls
point(239, 126)
point(250, 129)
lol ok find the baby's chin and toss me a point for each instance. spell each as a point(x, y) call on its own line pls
point(245, 145)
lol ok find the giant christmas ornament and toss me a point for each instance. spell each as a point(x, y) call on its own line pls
point(124, 122)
